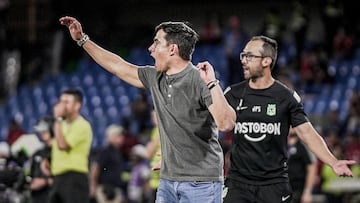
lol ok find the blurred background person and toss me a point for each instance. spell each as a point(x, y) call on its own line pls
point(70, 150)
point(234, 39)
point(12, 177)
point(153, 153)
point(107, 185)
point(41, 182)
point(15, 131)
point(138, 186)
point(328, 175)
point(302, 169)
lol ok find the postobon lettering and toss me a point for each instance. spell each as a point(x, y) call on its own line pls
point(257, 128)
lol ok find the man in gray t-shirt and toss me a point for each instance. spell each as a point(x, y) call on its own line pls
point(190, 105)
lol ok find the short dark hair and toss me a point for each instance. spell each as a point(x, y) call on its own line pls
point(270, 48)
point(181, 34)
point(76, 93)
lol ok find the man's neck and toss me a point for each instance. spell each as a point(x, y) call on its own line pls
point(71, 118)
point(261, 82)
point(177, 66)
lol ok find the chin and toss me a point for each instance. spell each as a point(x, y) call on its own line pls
point(246, 76)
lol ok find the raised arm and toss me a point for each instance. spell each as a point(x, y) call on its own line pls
point(106, 59)
point(221, 111)
point(317, 145)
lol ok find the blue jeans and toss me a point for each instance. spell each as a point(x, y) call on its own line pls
point(189, 192)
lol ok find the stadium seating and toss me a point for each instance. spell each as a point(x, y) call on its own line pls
point(107, 98)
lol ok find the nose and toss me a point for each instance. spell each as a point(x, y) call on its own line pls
point(151, 48)
point(243, 60)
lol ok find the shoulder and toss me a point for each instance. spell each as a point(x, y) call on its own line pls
point(146, 69)
point(83, 123)
point(281, 89)
point(83, 120)
point(236, 89)
point(279, 86)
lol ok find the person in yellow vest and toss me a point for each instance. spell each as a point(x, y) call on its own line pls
point(70, 150)
point(153, 150)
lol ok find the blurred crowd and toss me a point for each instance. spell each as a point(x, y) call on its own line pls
point(124, 169)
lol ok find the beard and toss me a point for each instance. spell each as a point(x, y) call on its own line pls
point(253, 75)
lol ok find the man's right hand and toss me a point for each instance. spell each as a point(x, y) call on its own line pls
point(74, 27)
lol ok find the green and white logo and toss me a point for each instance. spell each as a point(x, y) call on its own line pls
point(271, 109)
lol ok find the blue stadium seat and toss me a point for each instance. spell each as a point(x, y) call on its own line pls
point(321, 106)
point(309, 105)
point(140, 56)
point(95, 101)
point(88, 80)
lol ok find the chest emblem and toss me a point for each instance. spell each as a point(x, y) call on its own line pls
point(271, 110)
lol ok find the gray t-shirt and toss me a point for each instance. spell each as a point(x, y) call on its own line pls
point(189, 138)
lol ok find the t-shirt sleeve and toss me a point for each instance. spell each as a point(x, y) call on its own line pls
point(297, 114)
point(147, 75)
point(206, 95)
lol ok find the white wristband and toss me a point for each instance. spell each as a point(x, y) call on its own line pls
point(59, 119)
point(82, 41)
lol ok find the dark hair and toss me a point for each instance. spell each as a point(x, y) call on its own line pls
point(181, 34)
point(76, 93)
point(270, 48)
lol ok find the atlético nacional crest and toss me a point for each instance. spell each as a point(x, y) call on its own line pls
point(271, 110)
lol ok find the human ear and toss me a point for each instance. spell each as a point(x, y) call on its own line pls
point(173, 49)
point(266, 61)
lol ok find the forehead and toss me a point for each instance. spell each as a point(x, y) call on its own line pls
point(254, 46)
point(67, 97)
point(160, 35)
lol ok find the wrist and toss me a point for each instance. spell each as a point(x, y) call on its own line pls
point(59, 118)
point(82, 41)
point(212, 84)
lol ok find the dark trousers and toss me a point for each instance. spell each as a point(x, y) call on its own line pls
point(243, 193)
point(70, 187)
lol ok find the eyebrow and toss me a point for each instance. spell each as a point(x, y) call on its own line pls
point(248, 52)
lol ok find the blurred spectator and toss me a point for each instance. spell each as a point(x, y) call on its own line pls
point(331, 121)
point(210, 32)
point(344, 44)
point(15, 131)
point(70, 150)
point(327, 176)
point(313, 66)
point(332, 18)
point(138, 186)
point(299, 25)
point(106, 183)
point(352, 120)
point(40, 182)
point(273, 25)
point(234, 39)
point(12, 177)
point(140, 112)
point(4, 154)
point(352, 147)
point(130, 140)
point(302, 169)
point(153, 153)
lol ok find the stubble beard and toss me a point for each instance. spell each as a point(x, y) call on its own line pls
point(256, 75)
